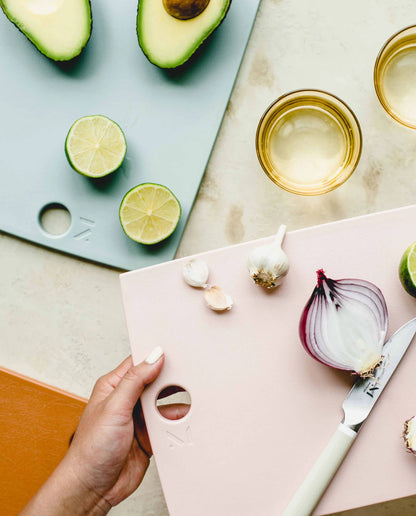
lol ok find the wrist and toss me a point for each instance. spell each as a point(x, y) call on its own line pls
point(85, 501)
point(65, 493)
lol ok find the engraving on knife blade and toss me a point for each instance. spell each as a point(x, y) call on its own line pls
point(371, 388)
point(374, 386)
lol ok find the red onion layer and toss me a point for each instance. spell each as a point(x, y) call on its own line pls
point(344, 324)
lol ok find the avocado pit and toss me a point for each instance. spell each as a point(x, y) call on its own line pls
point(185, 9)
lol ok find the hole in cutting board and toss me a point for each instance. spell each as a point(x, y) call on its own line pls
point(55, 219)
point(173, 402)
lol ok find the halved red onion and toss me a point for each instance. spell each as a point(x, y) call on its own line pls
point(344, 324)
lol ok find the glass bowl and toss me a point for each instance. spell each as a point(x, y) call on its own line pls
point(308, 142)
point(395, 77)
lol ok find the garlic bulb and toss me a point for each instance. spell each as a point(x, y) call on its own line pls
point(268, 264)
point(195, 273)
point(217, 300)
point(409, 434)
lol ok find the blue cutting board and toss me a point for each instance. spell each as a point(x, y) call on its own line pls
point(170, 119)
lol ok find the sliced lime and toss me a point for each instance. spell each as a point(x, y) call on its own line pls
point(95, 146)
point(407, 270)
point(149, 213)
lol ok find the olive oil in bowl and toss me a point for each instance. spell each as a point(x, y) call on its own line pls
point(395, 77)
point(308, 142)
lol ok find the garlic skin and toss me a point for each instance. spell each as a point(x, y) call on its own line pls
point(268, 264)
point(195, 273)
point(409, 434)
point(217, 300)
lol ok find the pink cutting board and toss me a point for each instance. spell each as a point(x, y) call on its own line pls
point(262, 409)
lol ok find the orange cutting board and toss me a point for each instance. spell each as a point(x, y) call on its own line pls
point(37, 422)
point(262, 409)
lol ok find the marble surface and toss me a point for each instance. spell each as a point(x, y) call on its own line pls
point(61, 319)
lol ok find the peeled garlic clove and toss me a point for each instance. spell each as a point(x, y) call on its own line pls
point(217, 300)
point(195, 273)
point(409, 434)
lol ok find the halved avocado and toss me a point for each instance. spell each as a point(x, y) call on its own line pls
point(59, 29)
point(170, 31)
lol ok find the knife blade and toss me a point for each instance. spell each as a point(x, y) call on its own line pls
point(357, 406)
point(366, 391)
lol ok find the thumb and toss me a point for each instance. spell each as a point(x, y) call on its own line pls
point(128, 391)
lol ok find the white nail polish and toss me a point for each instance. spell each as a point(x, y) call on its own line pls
point(154, 356)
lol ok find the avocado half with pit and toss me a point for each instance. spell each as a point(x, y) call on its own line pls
point(59, 29)
point(170, 31)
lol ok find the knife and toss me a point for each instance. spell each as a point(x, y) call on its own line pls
point(357, 406)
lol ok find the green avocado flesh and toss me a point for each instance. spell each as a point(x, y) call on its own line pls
point(169, 42)
point(59, 29)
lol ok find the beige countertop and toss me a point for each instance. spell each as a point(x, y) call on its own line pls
point(61, 318)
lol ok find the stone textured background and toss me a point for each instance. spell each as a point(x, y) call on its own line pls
point(61, 319)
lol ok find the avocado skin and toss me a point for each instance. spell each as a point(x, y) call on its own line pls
point(183, 61)
point(40, 49)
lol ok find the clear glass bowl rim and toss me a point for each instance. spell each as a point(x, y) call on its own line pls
point(330, 96)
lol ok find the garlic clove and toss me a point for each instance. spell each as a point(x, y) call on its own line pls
point(268, 264)
point(195, 273)
point(217, 300)
point(409, 434)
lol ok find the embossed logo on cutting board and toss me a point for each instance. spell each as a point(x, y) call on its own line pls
point(176, 441)
point(86, 233)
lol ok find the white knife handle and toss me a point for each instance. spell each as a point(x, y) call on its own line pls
point(308, 495)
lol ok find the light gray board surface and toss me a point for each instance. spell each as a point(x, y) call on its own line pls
point(170, 119)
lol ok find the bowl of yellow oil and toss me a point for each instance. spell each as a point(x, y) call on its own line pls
point(308, 142)
point(395, 77)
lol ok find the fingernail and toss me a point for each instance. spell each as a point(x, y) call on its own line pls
point(154, 356)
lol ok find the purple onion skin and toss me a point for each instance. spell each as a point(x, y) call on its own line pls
point(317, 290)
point(302, 322)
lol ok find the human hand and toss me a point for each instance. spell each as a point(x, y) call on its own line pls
point(110, 452)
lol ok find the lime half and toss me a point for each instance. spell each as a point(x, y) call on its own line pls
point(407, 270)
point(95, 146)
point(149, 213)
